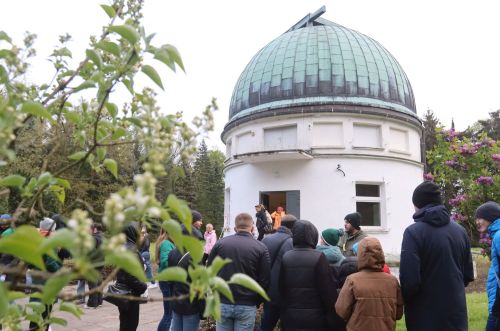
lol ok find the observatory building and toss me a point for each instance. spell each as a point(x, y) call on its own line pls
point(323, 122)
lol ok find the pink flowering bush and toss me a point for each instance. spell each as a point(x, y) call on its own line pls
point(468, 171)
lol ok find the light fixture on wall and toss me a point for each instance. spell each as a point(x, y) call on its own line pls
point(339, 169)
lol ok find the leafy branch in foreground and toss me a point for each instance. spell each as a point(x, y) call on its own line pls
point(75, 129)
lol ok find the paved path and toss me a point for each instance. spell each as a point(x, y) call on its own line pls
point(106, 317)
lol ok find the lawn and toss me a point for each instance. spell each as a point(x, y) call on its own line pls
point(477, 304)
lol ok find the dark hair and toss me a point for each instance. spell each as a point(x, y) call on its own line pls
point(97, 226)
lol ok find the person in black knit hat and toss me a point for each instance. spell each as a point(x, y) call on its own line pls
point(352, 233)
point(435, 266)
point(488, 221)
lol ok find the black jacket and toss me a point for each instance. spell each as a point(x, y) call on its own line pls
point(347, 267)
point(182, 307)
point(261, 219)
point(436, 265)
point(307, 288)
point(278, 244)
point(249, 256)
point(135, 285)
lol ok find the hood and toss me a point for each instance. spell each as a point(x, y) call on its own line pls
point(493, 228)
point(435, 215)
point(371, 255)
point(305, 234)
point(131, 232)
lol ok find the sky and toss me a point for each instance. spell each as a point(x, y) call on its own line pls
point(448, 49)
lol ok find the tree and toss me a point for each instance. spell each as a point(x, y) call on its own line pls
point(491, 126)
point(216, 189)
point(467, 169)
point(78, 129)
point(202, 180)
point(430, 123)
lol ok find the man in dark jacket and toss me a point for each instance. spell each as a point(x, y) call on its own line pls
point(436, 265)
point(352, 234)
point(307, 288)
point(248, 256)
point(278, 244)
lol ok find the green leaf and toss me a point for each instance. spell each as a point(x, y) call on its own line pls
point(109, 47)
point(63, 238)
point(16, 295)
point(212, 306)
point(162, 56)
point(174, 231)
point(63, 182)
point(173, 274)
point(101, 153)
point(5, 36)
point(36, 306)
point(127, 32)
point(110, 11)
point(128, 262)
point(77, 156)
point(71, 308)
point(59, 193)
point(84, 86)
point(12, 181)
point(53, 286)
point(129, 84)
point(111, 166)
point(221, 286)
point(217, 264)
point(44, 178)
point(181, 209)
point(36, 109)
point(4, 300)
point(73, 117)
point(25, 244)
point(174, 54)
point(194, 246)
point(153, 74)
point(94, 57)
point(58, 321)
point(248, 282)
point(112, 109)
point(136, 121)
point(119, 132)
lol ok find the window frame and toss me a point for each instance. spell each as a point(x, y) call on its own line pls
point(380, 200)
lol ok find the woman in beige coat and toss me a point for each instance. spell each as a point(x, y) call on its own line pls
point(370, 299)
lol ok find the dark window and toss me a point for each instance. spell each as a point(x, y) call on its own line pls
point(366, 190)
point(370, 212)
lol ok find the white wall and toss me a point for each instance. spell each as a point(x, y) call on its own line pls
point(326, 195)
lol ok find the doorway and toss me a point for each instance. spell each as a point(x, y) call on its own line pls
point(289, 200)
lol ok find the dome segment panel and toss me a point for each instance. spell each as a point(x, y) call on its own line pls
point(322, 64)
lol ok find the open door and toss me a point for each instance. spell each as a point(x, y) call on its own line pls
point(289, 200)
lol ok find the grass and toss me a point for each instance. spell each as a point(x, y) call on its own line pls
point(477, 305)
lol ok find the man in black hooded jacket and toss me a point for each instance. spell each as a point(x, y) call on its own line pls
point(436, 265)
point(308, 290)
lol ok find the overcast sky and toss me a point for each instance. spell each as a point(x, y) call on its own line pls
point(450, 50)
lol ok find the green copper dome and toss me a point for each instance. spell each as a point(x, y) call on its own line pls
point(318, 62)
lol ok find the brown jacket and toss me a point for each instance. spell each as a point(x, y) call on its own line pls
point(370, 299)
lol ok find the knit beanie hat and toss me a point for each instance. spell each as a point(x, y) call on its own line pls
point(425, 194)
point(489, 211)
point(354, 219)
point(196, 216)
point(47, 224)
point(331, 236)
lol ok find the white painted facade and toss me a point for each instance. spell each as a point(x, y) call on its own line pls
point(301, 152)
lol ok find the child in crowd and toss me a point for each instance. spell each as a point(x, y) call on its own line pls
point(370, 298)
point(328, 246)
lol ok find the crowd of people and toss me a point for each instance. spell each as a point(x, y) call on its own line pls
point(336, 279)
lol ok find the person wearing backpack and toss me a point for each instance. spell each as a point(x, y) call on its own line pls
point(260, 220)
point(278, 244)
